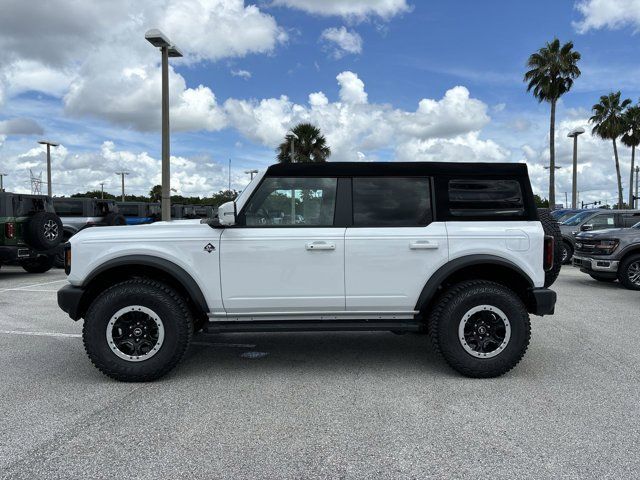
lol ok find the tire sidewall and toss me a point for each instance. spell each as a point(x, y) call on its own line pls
point(35, 231)
point(102, 310)
point(453, 313)
point(623, 275)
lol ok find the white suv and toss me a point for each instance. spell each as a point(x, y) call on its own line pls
point(456, 250)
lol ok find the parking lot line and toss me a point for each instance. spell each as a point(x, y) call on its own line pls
point(40, 334)
point(31, 286)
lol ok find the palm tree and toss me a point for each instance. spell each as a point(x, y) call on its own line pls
point(552, 70)
point(609, 125)
point(631, 139)
point(309, 145)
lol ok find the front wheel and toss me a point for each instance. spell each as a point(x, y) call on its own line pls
point(629, 272)
point(137, 330)
point(567, 253)
point(481, 328)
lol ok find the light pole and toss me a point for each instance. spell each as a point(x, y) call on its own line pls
point(574, 134)
point(251, 172)
point(122, 174)
point(158, 39)
point(49, 145)
point(102, 190)
point(2, 175)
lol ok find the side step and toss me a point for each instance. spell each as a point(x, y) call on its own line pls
point(312, 326)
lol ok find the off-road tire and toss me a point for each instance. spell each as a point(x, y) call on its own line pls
point(40, 264)
point(623, 272)
point(600, 278)
point(43, 231)
point(566, 246)
point(448, 312)
point(550, 227)
point(113, 218)
point(169, 305)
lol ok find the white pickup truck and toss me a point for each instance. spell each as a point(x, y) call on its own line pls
point(455, 250)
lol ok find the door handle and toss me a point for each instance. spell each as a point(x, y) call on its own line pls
point(320, 246)
point(423, 245)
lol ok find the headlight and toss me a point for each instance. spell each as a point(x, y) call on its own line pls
point(608, 245)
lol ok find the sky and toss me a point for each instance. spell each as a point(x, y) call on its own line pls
point(385, 80)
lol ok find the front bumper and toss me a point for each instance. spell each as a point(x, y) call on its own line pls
point(588, 264)
point(542, 301)
point(69, 300)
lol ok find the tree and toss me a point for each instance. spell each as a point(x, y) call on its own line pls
point(155, 194)
point(310, 146)
point(609, 125)
point(631, 138)
point(540, 203)
point(552, 70)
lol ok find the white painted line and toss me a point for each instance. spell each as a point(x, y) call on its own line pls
point(31, 286)
point(41, 334)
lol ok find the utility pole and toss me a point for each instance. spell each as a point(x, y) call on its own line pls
point(566, 201)
point(229, 174)
point(167, 49)
point(122, 174)
point(2, 175)
point(102, 190)
point(49, 145)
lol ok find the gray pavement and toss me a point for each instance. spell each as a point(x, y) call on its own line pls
point(323, 405)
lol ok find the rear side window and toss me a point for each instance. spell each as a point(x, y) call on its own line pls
point(630, 219)
point(68, 208)
point(391, 201)
point(485, 198)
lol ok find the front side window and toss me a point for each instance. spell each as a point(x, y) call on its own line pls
point(293, 201)
point(391, 201)
point(479, 198)
point(600, 222)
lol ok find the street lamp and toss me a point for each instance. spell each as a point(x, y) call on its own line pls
point(159, 40)
point(574, 134)
point(49, 145)
point(2, 175)
point(294, 137)
point(251, 172)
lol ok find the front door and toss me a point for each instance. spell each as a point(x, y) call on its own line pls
point(285, 255)
point(393, 247)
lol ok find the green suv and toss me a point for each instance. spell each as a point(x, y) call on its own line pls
point(30, 231)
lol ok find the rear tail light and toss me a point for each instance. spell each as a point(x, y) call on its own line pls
point(549, 244)
point(9, 230)
point(67, 258)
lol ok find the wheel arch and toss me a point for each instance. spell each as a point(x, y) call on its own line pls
point(627, 252)
point(142, 266)
point(480, 267)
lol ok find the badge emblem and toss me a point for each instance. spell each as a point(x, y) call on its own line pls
point(209, 248)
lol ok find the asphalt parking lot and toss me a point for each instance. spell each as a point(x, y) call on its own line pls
point(323, 405)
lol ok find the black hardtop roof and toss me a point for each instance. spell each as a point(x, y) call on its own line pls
point(24, 195)
point(397, 168)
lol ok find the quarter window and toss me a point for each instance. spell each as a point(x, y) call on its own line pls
point(68, 208)
point(480, 198)
point(391, 201)
point(293, 201)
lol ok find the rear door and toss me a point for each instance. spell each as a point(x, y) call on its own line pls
point(393, 246)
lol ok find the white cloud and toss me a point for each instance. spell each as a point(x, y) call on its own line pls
point(612, 14)
point(351, 88)
point(341, 41)
point(244, 74)
point(352, 9)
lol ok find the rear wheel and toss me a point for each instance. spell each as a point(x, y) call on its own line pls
point(481, 328)
point(629, 272)
point(39, 264)
point(137, 330)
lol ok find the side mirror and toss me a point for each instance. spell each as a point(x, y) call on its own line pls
point(586, 227)
point(227, 214)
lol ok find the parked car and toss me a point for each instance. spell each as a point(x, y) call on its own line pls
point(566, 215)
point(457, 250)
point(30, 231)
point(610, 255)
point(181, 211)
point(595, 219)
point(139, 213)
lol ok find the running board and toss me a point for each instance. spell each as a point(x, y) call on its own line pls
point(312, 326)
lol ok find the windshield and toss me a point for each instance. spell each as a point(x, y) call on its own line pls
point(637, 225)
point(577, 218)
point(566, 216)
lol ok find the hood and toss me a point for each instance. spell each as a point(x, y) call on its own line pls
point(610, 232)
point(176, 229)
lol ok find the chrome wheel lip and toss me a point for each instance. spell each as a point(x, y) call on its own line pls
point(50, 230)
point(135, 308)
point(633, 272)
point(465, 318)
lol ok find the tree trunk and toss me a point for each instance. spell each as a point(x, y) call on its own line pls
point(615, 154)
point(633, 158)
point(552, 157)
